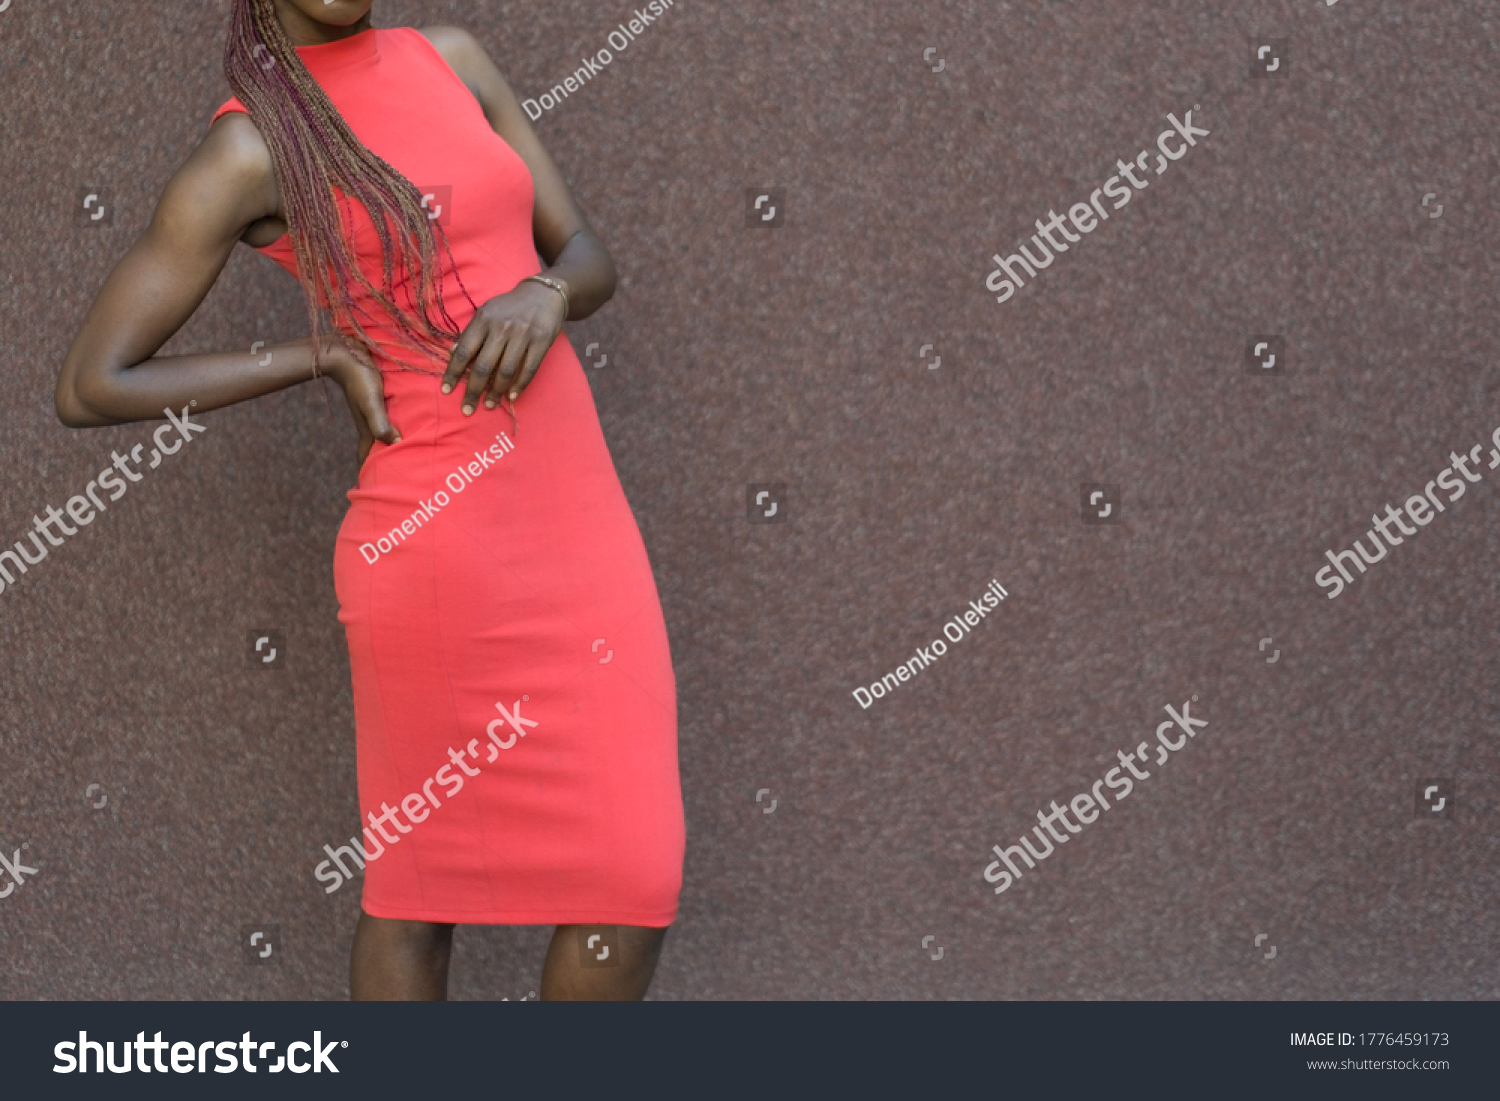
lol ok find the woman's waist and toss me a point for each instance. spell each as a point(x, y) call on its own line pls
point(414, 370)
point(434, 428)
point(422, 463)
point(432, 424)
point(392, 341)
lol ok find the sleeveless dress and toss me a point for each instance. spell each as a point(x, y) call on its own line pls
point(514, 697)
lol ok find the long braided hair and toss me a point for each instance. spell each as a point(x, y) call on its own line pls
point(313, 151)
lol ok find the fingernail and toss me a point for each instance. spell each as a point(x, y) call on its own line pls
point(447, 389)
point(468, 410)
point(490, 404)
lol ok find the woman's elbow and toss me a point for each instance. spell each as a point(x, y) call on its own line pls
point(69, 411)
point(72, 410)
point(611, 277)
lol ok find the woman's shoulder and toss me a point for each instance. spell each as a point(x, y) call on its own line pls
point(236, 141)
point(464, 53)
point(448, 39)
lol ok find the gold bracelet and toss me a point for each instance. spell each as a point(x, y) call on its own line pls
point(555, 285)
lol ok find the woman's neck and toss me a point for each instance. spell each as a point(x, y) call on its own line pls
point(303, 31)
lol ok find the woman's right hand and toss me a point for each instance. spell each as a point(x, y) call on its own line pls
point(352, 368)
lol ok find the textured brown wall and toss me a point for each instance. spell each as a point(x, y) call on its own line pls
point(791, 355)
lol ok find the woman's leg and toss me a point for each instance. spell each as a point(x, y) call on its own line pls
point(575, 971)
point(399, 960)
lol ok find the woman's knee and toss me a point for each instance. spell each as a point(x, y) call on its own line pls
point(408, 935)
point(625, 946)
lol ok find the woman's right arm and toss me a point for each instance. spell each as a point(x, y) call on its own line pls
point(112, 375)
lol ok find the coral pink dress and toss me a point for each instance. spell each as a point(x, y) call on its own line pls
point(513, 689)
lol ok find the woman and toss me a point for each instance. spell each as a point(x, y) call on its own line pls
point(514, 699)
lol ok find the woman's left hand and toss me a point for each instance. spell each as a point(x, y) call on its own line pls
point(504, 344)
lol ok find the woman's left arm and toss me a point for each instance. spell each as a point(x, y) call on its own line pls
point(504, 344)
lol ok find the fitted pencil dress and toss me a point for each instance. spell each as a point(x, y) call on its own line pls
point(514, 697)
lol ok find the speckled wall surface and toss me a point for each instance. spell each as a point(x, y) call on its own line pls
point(1343, 202)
